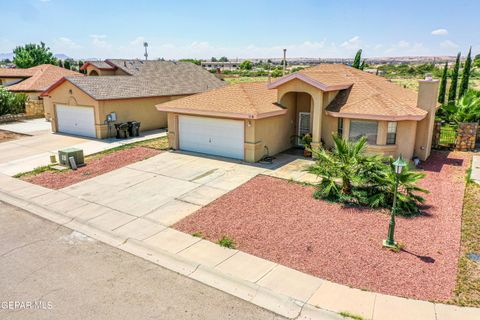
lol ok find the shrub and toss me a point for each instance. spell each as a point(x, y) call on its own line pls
point(227, 242)
point(11, 103)
point(348, 175)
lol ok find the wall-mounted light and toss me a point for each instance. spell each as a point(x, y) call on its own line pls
point(249, 123)
point(70, 91)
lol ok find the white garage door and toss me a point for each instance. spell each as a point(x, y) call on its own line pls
point(212, 136)
point(76, 120)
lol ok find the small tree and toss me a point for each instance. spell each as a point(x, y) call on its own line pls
point(466, 74)
point(452, 93)
point(32, 55)
point(67, 64)
point(443, 85)
point(476, 61)
point(246, 65)
point(358, 59)
point(213, 59)
point(223, 59)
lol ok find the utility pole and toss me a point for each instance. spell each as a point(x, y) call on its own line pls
point(284, 61)
point(145, 44)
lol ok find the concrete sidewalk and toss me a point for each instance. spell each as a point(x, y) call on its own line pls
point(274, 287)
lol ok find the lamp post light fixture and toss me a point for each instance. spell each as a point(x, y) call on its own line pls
point(399, 164)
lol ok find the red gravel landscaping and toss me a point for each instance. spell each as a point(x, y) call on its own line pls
point(280, 221)
point(94, 167)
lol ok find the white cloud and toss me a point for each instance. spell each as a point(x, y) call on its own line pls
point(352, 43)
point(138, 41)
point(448, 44)
point(66, 43)
point(440, 32)
point(99, 40)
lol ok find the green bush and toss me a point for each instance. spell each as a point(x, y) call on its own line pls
point(350, 176)
point(11, 103)
point(227, 242)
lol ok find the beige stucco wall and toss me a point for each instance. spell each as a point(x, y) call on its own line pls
point(138, 109)
point(141, 109)
point(68, 94)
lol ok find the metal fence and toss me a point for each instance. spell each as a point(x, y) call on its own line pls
point(447, 138)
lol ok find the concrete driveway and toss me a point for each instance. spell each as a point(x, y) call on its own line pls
point(165, 188)
point(28, 153)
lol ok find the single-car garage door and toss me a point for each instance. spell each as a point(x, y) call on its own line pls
point(219, 137)
point(76, 120)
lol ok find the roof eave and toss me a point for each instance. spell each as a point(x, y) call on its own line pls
point(310, 81)
point(220, 114)
point(406, 117)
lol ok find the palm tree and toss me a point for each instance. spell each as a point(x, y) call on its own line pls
point(351, 176)
point(347, 163)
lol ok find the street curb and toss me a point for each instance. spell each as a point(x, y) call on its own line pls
point(277, 303)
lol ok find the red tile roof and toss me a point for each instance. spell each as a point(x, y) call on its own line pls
point(38, 78)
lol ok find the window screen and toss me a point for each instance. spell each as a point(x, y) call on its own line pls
point(360, 128)
point(392, 133)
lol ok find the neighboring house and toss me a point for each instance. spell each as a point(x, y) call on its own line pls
point(250, 120)
point(128, 90)
point(214, 65)
point(33, 81)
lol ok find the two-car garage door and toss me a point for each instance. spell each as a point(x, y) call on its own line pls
point(76, 120)
point(221, 137)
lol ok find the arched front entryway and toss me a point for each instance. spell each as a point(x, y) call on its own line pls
point(300, 110)
point(93, 73)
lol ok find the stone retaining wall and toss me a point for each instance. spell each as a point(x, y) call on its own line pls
point(466, 136)
point(12, 117)
point(35, 109)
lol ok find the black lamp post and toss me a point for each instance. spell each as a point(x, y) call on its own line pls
point(390, 242)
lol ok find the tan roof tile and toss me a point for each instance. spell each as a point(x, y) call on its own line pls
point(244, 100)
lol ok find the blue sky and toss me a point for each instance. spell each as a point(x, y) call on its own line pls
point(247, 28)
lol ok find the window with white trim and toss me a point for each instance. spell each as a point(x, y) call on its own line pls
point(391, 132)
point(363, 128)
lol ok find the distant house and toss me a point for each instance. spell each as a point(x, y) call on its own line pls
point(33, 81)
point(248, 121)
point(214, 65)
point(117, 90)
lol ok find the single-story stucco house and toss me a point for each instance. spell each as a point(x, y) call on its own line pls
point(250, 120)
point(122, 90)
point(33, 82)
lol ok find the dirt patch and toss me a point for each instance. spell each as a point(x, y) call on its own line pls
point(280, 221)
point(9, 135)
point(94, 167)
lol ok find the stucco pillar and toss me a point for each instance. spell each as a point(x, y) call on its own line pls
point(317, 120)
point(382, 133)
point(172, 130)
point(427, 100)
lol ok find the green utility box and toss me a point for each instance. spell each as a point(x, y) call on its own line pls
point(65, 154)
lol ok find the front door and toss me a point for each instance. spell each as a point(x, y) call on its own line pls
point(303, 126)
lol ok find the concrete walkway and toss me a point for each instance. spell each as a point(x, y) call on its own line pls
point(475, 174)
point(132, 208)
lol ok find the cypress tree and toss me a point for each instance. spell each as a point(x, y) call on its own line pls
point(452, 93)
point(443, 85)
point(362, 66)
point(466, 74)
point(358, 59)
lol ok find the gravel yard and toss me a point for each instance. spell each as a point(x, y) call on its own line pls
point(280, 221)
point(95, 166)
